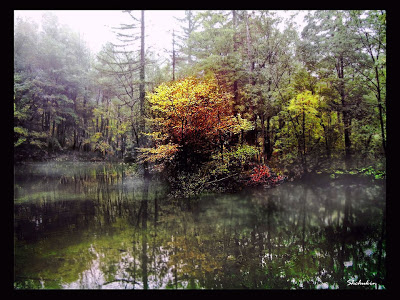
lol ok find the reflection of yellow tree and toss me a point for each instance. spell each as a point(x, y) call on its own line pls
point(195, 257)
point(195, 251)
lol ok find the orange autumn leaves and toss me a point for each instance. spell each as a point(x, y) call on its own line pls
point(191, 112)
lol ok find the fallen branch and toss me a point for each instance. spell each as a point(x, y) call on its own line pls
point(124, 280)
point(214, 181)
point(217, 180)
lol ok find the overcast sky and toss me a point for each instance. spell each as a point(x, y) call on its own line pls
point(95, 25)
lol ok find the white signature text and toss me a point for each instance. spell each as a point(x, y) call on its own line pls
point(352, 282)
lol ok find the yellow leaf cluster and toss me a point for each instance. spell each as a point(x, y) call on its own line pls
point(191, 105)
point(159, 153)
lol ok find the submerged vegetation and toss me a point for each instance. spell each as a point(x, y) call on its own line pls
point(242, 100)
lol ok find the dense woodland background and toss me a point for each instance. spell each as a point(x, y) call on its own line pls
point(236, 91)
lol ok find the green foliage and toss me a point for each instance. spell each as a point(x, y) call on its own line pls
point(370, 171)
point(302, 132)
point(50, 83)
point(241, 124)
point(300, 100)
point(23, 133)
point(234, 160)
point(367, 172)
point(243, 153)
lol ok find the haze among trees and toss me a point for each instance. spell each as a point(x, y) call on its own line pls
point(238, 91)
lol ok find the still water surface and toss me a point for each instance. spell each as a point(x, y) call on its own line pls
point(98, 226)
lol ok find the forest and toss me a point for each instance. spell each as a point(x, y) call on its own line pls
point(242, 98)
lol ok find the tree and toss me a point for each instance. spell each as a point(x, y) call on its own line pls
point(213, 47)
point(125, 64)
point(189, 25)
point(329, 44)
point(370, 27)
point(50, 72)
point(217, 50)
point(192, 118)
point(303, 130)
point(142, 78)
point(270, 63)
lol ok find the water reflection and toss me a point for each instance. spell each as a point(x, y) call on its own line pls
point(96, 226)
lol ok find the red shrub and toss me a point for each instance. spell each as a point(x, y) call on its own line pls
point(260, 174)
point(263, 175)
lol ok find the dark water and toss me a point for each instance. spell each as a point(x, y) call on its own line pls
point(97, 226)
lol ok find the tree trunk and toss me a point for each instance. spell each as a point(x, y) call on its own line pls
point(106, 127)
point(142, 84)
point(262, 118)
point(83, 130)
point(54, 126)
point(173, 55)
point(235, 49)
point(75, 140)
point(326, 137)
point(135, 135)
point(249, 52)
point(345, 112)
point(347, 141)
point(268, 144)
point(378, 89)
point(304, 142)
point(191, 29)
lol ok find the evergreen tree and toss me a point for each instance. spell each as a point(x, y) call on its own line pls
point(330, 45)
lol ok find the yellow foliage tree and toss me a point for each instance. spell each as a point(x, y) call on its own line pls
point(191, 116)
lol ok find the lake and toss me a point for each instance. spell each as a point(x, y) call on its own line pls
point(99, 226)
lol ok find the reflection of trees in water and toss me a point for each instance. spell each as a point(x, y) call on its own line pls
point(296, 235)
point(292, 245)
point(296, 241)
